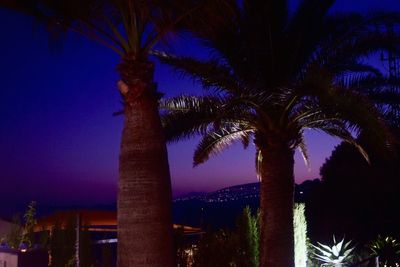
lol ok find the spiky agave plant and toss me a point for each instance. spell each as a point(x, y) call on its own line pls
point(339, 254)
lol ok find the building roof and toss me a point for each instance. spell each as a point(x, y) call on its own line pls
point(93, 220)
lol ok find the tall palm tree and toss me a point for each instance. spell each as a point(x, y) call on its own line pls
point(274, 75)
point(131, 28)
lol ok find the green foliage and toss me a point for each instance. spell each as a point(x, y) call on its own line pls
point(239, 247)
point(28, 237)
point(14, 238)
point(388, 250)
point(247, 235)
point(71, 263)
point(216, 250)
point(300, 235)
point(338, 254)
point(23, 233)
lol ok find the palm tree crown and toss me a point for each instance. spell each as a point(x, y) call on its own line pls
point(307, 71)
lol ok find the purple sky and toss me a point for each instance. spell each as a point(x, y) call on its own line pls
point(59, 142)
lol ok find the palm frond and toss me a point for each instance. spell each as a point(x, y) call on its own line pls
point(258, 162)
point(361, 45)
point(209, 73)
point(245, 141)
point(304, 153)
point(216, 141)
point(337, 130)
point(358, 68)
point(188, 116)
point(352, 107)
point(124, 26)
point(369, 83)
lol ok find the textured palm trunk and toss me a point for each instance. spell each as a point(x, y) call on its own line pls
point(277, 196)
point(144, 195)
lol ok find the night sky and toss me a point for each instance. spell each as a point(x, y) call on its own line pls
point(59, 142)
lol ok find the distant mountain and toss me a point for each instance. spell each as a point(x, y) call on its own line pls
point(232, 193)
point(191, 196)
point(220, 208)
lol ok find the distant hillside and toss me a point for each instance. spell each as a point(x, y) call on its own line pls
point(221, 208)
point(232, 193)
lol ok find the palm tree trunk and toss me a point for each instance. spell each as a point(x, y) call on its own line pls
point(277, 196)
point(144, 195)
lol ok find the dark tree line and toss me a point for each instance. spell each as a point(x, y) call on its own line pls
point(354, 198)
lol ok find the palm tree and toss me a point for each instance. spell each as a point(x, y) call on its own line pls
point(131, 28)
point(275, 75)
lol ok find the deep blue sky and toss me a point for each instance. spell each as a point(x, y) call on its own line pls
point(59, 142)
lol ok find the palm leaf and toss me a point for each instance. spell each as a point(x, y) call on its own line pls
point(340, 131)
point(209, 73)
point(304, 152)
point(216, 141)
point(258, 162)
point(188, 116)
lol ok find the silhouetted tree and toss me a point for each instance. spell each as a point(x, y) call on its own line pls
point(356, 198)
point(131, 28)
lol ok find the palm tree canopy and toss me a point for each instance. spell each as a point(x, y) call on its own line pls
point(125, 26)
point(275, 74)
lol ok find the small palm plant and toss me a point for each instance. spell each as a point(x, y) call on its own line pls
point(339, 254)
point(388, 250)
